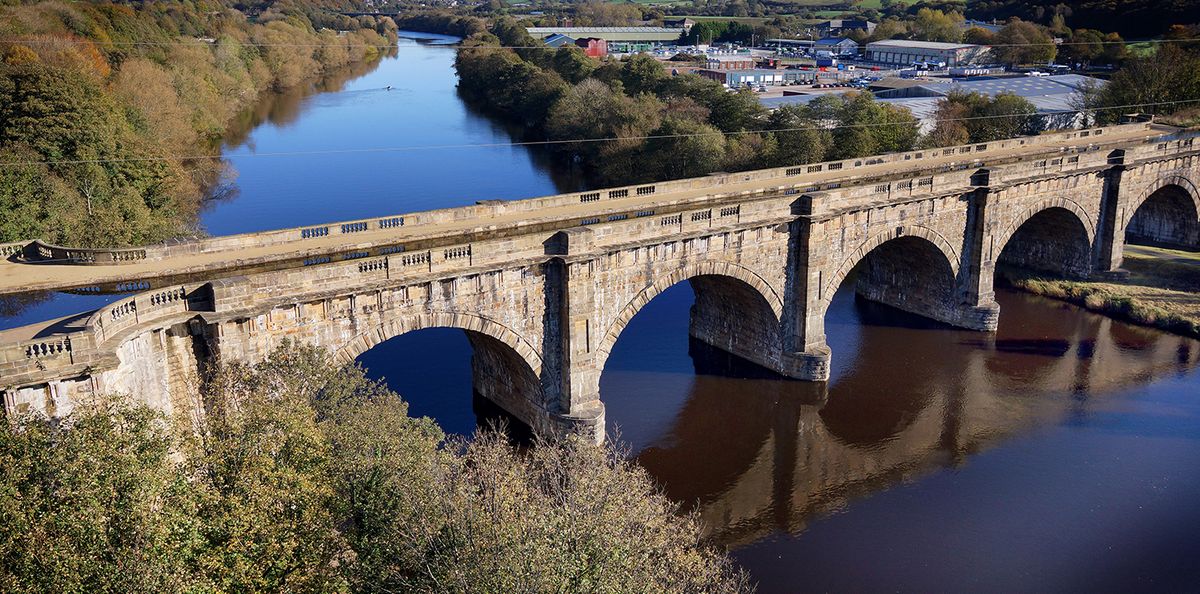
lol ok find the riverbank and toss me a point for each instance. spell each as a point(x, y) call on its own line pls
point(1162, 290)
point(101, 104)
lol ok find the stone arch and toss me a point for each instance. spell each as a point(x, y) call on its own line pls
point(1182, 182)
point(358, 345)
point(696, 269)
point(1172, 219)
point(1089, 225)
point(916, 231)
point(1042, 245)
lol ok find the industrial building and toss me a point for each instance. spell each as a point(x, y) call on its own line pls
point(838, 46)
point(903, 52)
point(756, 77)
point(1055, 97)
point(593, 47)
point(835, 27)
point(739, 62)
point(610, 34)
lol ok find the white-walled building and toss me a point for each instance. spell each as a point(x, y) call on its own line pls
point(903, 52)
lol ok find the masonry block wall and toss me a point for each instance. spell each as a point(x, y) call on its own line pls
point(544, 301)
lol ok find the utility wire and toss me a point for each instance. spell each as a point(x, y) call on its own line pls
point(395, 149)
point(203, 43)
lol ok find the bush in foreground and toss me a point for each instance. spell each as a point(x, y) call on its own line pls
point(305, 477)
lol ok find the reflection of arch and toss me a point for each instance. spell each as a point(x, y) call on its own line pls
point(1183, 183)
point(1068, 205)
point(706, 268)
point(916, 231)
point(358, 345)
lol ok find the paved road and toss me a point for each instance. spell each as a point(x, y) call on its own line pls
point(17, 277)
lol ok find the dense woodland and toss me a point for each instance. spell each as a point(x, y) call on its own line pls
point(304, 477)
point(666, 127)
point(103, 105)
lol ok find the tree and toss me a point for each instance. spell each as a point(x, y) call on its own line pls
point(607, 14)
point(1084, 46)
point(973, 117)
point(259, 462)
point(890, 28)
point(93, 504)
point(798, 139)
point(979, 36)
point(1021, 42)
point(572, 64)
point(1006, 115)
point(864, 126)
point(300, 475)
point(732, 112)
point(935, 25)
point(1159, 84)
point(950, 128)
point(641, 74)
point(696, 149)
point(592, 110)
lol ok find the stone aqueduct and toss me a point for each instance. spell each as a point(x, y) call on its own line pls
point(544, 287)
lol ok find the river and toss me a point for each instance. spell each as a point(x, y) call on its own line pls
point(1060, 453)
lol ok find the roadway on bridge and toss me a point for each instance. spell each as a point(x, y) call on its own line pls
point(19, 277)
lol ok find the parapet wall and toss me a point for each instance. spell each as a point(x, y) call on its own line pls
point(830, 175)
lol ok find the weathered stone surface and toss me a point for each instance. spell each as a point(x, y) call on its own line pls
point(544, 298)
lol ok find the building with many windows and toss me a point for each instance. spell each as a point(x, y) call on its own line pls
point(756, 77)
point(739, 62)
point(904, 52)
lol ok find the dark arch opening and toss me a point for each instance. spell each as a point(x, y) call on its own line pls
point(724, 313)
point(1053, 241)
point(910, 274)
point(695, 415)
point(676, 342)
point(1167, 218)
point(462, 379)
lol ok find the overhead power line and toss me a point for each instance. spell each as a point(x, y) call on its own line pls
point(531, 143)
point(205, 43)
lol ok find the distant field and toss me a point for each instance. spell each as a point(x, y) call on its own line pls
point(878, 4)
point(751, 20)
point(1142, 49)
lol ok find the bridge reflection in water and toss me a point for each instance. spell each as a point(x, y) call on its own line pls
point(758, 456)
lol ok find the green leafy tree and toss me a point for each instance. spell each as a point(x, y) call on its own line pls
point(694, 149)
point(260, 460)
point(1161, 84)
point(1022, 42)
point(950, 128)
point(798, 137)
point(935, 25)
point(572, 64)
point(93, 504)
point(641, 74)
point(299, 475)
point(974, 117)
point(979, 36)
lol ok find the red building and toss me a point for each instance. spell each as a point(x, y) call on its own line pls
point(593, 46)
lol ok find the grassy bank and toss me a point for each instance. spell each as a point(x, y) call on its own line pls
point(1162, 290)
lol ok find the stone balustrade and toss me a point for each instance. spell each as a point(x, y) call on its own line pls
point(544, 297)
point(832, 175)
